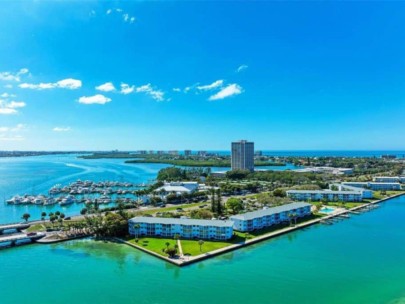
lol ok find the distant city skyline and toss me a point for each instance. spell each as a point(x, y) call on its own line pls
point(131, 75)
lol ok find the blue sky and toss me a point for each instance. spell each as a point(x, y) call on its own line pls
point(197, 75)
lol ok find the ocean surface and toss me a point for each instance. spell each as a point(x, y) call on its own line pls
point(37, 174)
point(356, 260)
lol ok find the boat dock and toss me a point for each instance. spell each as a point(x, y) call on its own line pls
point(13, 239)
point(16, 226)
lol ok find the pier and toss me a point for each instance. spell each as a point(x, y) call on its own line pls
point(14, 238)
point(16, 226)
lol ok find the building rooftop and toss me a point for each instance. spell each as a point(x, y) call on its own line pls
point(180, 221)
point(324, 191)
point(270, 211)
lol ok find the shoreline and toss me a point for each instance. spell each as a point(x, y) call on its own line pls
point(185, 261)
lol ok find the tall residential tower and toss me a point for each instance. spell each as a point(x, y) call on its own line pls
point(243, 155)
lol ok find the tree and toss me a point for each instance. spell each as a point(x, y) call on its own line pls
point(234, 204)
point(171, 252)
point(83, 211)
point(26, 216)
point(43, 215)
point(200, 242)
point(167, 245)
point(52, 219)
point(213, 202)
point(237, 174)
point(279, 193)
point(62, 216)
point(57, 213)
point(136, 228)
point(219, 203)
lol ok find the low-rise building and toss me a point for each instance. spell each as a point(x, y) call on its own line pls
point(271, 216)
point(389, 179)
point(365, 193)
point(187, 152)
point(374, 185)
point(329, 195)
point(329, 170)
point(177, 188)
point(185, 228)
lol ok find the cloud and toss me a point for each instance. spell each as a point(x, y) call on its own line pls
point(127, 18)
point(7, 111)
point(4, 137)
point(7, 95)
point(68, 83)
point(106, 87)
point(96, 99)
point(61, 129)
point(241, 68)
point(157, 95)
point(176, 90)
point(228, 91)
point(8, 108)
point(214, 85)
point(16, 104)
point(17, 128)
point(9, 76)
point(126, 89)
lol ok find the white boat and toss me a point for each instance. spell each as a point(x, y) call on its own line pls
point(68, 200)
point(50, 201)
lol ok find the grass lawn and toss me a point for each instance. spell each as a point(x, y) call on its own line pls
point(192, 247)
point(36, 228)
point(153, 244)
point(163, 209)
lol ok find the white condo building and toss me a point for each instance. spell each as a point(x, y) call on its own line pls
point(243, 155)
point(318, 195)
point(374, 185)
point(267, 217)
point(365, 193)
point(185, 228)
point(389, 179)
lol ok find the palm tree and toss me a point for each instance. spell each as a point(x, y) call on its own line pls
point(200, 242)
point(167, 245)
point(43, 215)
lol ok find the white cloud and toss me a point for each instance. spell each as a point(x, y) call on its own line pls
point(9, 76)
point(61, 129)
point(241, 68)
point(176, 90)
point(7, 95)
point(106, 87)
point(125, 16)
point(126, 88)
point(16, 104)
point(228, 91)
point(68, 83)
point(17, 128)
point(157, 95)
point(214, 85)
point(7, 111)
point(96, 99)
point(4, 137)
point(7, 108)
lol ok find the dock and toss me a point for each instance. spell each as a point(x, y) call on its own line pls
point(15, 226)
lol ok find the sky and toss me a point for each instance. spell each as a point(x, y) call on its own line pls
point(128, 75)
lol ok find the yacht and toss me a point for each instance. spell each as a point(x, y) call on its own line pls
point(68, 200)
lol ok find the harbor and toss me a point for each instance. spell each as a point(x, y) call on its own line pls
point(85, 192)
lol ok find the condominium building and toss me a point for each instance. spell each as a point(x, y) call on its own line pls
point(185, 228)
point(365, 193)
point(374, 185)
point(329, 195)
point(389, 179)
point(267, 217)
point(243, 155)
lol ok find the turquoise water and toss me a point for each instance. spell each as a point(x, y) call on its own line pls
point(36, 175)
point(358, 260)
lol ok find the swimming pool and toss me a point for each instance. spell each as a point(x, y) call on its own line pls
point(327, 210)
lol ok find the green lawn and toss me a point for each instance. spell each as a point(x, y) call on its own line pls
point(36, 228)
point(183, 206)
point(153, 244)
point(192, 247)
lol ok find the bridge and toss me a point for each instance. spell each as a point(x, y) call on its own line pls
point(13, 238)
point(15, 226)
